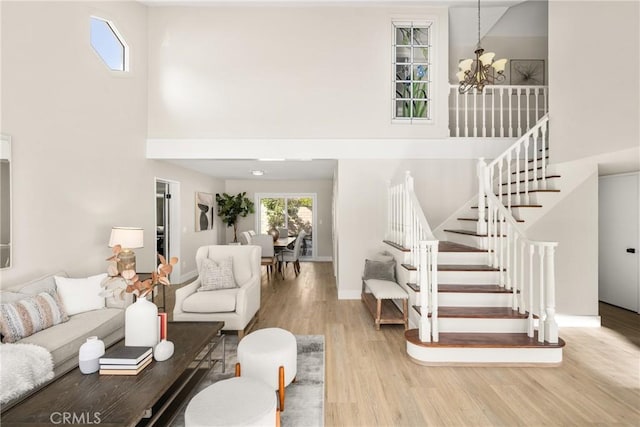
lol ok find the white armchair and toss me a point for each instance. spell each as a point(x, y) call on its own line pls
point(237, 307)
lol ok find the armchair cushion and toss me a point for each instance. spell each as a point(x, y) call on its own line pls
point(216, 275)
point(221, 301)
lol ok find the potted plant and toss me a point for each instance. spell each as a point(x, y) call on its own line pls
point(230, 208)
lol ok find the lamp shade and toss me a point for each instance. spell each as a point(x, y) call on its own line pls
point(127, 237)
point(487, 58)
point(499, 65)
point(465, 65)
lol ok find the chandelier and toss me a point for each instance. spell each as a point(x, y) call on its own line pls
point(481, 71)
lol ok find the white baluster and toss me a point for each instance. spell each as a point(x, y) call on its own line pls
point(530, 317)
point(505, 231)
point(519, 114)
point(484, 116)
point(550, 325)
point(433, 252)
point(501, 259)
point(534, 157)
point(475, 113)
point(521, 287)
point(510, 116)
point(496, 237)
point(500, 177)
point(514, 266)
point(457, 94)
point(502, 112)
point(466, 115)
point(544, 91)
point(425, 325)
point(528, 113)
point(493, 112)
point(525, 201)
point(481, 167)
point(509, 175)
point(543, 129)
point(537, 96)
point(518, 198)
point(541, 317)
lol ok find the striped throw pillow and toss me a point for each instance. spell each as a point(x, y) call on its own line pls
point(27, 316)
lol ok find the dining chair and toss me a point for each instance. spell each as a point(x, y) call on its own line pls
point(293, 256)
point(245, 238)
point(265, 241)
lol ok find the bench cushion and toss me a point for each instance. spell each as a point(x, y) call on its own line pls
point(385, 289)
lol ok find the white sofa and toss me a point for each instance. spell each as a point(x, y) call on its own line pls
point(64, 340)
point(237, 307)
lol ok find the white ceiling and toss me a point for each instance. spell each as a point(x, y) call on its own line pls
point(450, 3)
point(297, 170)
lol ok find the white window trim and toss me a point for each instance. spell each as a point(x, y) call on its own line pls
point(114, 28)
point(431, 22)
point(312, 196)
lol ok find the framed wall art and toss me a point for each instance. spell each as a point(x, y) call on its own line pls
point(204, 211)
point(527, 72)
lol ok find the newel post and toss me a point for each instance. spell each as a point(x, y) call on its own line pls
point(480, 170)
point(389, 235)
point(550, 325)
point(423, 281)
point(408, 189)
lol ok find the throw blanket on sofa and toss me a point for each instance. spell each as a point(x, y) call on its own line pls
point(22, 368)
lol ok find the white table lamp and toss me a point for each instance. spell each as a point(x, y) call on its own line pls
point(128, 238)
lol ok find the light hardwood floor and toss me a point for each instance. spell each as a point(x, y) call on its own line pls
point(371, 382)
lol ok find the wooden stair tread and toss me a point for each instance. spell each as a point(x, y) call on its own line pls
point(537, 179)
point(477, 312)
point(409, 267)
point(397, 246)
point(465, 267)
point(539, 159)
point(514, 193)
point(474, 289)
point(470, 289)
point(467, 232)
point(486, 220)
point(528, 170)
point(482, 340)
point(514, 205)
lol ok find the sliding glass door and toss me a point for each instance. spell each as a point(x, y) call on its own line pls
point(293, 212)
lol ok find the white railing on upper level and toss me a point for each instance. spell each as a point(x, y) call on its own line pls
point(511, 252)
point(500, 111)
point(408, 227)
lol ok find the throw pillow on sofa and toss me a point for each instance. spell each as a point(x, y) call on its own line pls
point(215, 275)
point(80, 295)
point(25, 317)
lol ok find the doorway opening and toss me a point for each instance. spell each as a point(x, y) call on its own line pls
point(291, 211)
point(168, 223)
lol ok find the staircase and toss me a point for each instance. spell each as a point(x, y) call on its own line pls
point(486, 294)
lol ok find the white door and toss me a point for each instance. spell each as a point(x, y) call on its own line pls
point(619, 229)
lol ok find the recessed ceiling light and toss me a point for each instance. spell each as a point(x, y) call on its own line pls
point(271, 160)
point(257, 172)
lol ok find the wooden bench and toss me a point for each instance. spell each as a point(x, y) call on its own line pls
point(378, 296)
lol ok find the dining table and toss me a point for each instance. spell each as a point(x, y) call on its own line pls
point(283, 242)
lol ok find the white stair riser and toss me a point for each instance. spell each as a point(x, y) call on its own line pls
point(468, 277)
point(480, 325)
point(551, 356)
point(465, 239)
point(537, 198)
point(548, 184)
point(463, 258)
point(463, 299)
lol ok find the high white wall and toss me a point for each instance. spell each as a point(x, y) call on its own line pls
point(442, 186)
point(79, 132)
point(283, 72)
point(591, 111)
point(323, 189)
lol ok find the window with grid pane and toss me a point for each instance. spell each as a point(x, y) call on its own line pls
point(411, 67)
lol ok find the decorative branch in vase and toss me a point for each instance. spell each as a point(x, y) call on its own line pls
point(132, 282)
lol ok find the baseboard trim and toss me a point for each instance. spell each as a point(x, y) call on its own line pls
point(573, 321)
point(348, 294)
point(322, 259)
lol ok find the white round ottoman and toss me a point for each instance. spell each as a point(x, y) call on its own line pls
point(238, 401)
point(269, 355)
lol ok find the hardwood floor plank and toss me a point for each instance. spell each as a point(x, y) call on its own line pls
point(370, 381)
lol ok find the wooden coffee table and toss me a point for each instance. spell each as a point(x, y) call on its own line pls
point(152, 397)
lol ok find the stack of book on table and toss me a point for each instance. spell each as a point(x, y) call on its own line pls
point(125, 360)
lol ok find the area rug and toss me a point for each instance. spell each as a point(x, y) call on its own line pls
point(304, 399)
